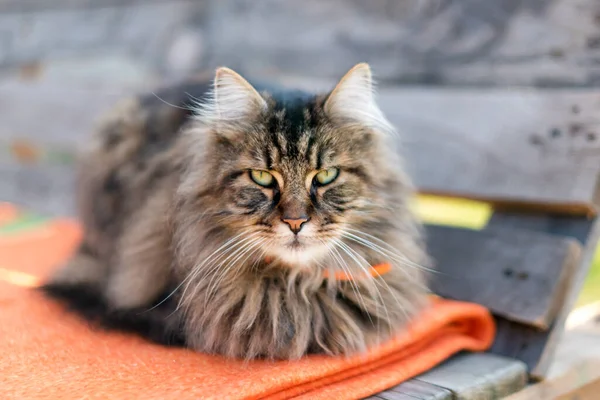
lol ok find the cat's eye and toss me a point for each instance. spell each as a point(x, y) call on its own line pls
point(262, 178)
point(326, 176)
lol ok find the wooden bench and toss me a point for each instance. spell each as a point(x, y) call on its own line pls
point(534, 156)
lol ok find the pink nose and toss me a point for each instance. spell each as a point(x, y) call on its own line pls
point(295, 224)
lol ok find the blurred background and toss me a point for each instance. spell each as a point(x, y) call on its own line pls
point(65, 62)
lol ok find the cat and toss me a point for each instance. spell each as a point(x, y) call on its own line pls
point(246, 221)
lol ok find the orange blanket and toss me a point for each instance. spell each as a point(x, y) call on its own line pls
point(46, 352)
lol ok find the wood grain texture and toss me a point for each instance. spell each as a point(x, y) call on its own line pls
point(519, 275)
point(535, 149)
point(475, 42)
point(529, 344)
point(416, 389)
point(467, 376)
point(478, 376)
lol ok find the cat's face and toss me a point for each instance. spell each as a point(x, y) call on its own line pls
point(297, 191)
point(293, 177)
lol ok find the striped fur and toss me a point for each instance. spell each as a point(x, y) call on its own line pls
point(179, 236)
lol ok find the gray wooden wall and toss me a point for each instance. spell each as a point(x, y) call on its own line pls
point(466, 42)
point(474, 42)
point(63, 62)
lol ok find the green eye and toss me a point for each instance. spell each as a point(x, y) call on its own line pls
point(327, 176)
point(262, 178)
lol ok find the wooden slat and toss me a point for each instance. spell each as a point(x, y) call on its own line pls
point(517, 148)
point(465, 376)
point(518, 274)
point(477, 376)
point(479, 42)
point(536, 348)
point(416, 389)
point(564, 226)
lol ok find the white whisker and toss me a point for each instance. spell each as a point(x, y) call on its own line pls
point(353, 283)
point(195, 270)
point(390, 251)
point(251, 248)
point(387, 287)
point(172, 105)
point(242, 246)
point(352, 254)
point(340, 261)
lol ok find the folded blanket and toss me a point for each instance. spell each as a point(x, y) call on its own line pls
point(46, 352)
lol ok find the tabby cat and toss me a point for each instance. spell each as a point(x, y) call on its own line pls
point(247, 221)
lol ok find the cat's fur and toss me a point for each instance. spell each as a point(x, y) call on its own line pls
point(181, 245)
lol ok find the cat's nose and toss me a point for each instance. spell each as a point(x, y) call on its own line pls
point(295, 223)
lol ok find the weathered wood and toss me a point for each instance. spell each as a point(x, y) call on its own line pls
point(478, 376)
point(510, 147)
point(575, 370)
point(576, 285)
point(477, 42)
point(465, 376)
point(416, 389)
point(501, 42)
point(533, 346)
point(144, 32)
point(560, 225)
point(519, 275)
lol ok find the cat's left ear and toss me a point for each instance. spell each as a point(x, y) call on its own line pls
point(353, 100)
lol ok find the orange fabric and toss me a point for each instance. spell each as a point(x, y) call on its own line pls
point(374, 271)
point(46, 352)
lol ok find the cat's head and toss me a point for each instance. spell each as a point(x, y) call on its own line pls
point(292, 176)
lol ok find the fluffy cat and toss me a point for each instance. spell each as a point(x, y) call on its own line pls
point(223, 224)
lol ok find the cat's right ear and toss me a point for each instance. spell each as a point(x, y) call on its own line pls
point(353, 100)
point(233, 99)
